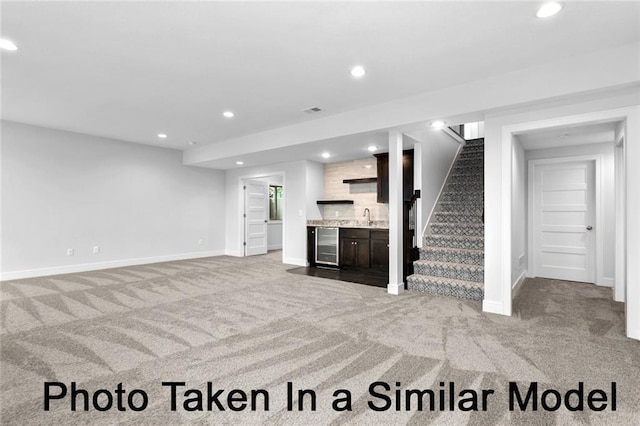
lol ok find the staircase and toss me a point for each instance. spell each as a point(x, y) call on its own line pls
point(452, 259)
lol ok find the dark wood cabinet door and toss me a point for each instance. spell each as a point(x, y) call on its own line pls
point(383, 175)
point(407, 175)
point(348, 255)
point(354, 252)
point(380, 254)
point(311, 245)
point(362, 253)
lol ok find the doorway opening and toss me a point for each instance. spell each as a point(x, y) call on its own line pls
point(263, 214)
point(568, 203)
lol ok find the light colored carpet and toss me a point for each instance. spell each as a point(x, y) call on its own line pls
point(245, 323)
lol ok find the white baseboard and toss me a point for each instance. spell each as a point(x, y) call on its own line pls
point(617, 297)
point(275, 247)
point(494, 307)
point(515, 287)
point(606, 282)
point(294, 261)
point(634, 333)
point(395, 289)
point(85, 267)
point(233, 253)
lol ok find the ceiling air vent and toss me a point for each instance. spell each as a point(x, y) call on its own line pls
point(312, 110)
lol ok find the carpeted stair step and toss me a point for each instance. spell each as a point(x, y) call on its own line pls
point(469, 216)
point(465, 186)
point(443, 254)
point(446, 287)
point(475, 196)
point(455, 241)
point(472, 155)
point(456, 271)
point(466, 177)
point(468, 169)
point(462, 163)
point(474, 142)
point(473, 148)
point(468, 229)
point(470, 159)
point(460, 207)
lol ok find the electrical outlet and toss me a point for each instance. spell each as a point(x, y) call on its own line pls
point(337, 213)
point(96, 249)
point(200, 241)
point(69, 252)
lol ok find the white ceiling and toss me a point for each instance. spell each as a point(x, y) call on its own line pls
point(568, 136)
point(130, 70)
point(344, 148)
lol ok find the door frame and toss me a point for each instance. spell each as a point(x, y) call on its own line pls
point(598, 210)
point(501, 289)
point(620, 273)
point(241, 182)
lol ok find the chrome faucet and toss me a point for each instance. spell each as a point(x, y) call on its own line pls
point(367, 213)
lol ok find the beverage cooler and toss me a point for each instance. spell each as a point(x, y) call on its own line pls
point(327, 246)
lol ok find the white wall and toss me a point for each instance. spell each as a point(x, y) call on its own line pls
point(302, 183)
point(274, 235)
point(605, 150)
point(437, 152)
point(138, 203)
point(272, 180)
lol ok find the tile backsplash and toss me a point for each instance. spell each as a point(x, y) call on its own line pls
point(364, 195)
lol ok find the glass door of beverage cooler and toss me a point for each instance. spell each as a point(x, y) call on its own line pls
point(327, 246)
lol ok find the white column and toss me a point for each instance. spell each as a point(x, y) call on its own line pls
point(632, 147)
point(396, 284)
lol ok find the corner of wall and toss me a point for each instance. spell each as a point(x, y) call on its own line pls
point(494, 307)
point(294, 261)
point(517, 284)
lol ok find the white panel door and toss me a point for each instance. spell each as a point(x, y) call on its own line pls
point(564, 219)
point(256, 208)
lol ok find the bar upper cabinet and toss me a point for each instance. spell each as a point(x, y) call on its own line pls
point(383, 175)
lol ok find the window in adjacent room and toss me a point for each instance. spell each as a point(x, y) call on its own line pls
point(275, 202)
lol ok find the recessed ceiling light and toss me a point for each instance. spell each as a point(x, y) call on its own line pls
point(192, 142)
point(239, 163)
point(548, 9)
point(228, 114)
point(372, 148)
point(368, 166)
point(358, 71)
point(438, 124)
point(326, 155)
point(7, 44)
point(162, 136)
